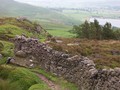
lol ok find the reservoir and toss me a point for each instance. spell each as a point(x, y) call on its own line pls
point(114, 22)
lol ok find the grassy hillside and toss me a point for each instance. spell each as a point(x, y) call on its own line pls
point(61, 32)
point(17, 78)
point(13, 77)
point(10, 27)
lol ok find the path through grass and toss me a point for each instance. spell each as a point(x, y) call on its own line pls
point(62, 83)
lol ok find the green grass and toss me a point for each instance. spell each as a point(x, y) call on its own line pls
point(19, 78)
point(10, 27)
point(22, 78)
point(12, 30)
point(65, 85)
point(7, 51)
point(61, 33)
point(39, 87)
point(7, 85)
point(49, 26)
point(58, 30)
point(1, 46)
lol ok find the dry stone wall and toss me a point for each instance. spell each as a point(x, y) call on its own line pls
point(77, 69)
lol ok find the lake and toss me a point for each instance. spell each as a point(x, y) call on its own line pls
point(114, 22)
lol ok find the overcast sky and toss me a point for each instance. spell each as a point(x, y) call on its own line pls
point(70, 3)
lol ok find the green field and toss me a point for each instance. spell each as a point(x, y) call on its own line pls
point(58, 30)
point(62, 30)
point(61, 33)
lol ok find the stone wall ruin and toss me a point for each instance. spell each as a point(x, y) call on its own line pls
point(77, 69)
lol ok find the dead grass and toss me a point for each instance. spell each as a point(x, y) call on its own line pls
point(105, 53)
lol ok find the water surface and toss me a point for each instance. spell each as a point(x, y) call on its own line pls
point(114, 22)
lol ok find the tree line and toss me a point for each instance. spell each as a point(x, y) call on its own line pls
point(93, 30)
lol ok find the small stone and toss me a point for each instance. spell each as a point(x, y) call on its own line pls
point(65, 55)
point(59, 41)
point(31, 60)
point(12, 60)
point(90, 62)
point(20, 54)
point(32, 65)
point(93, 71)
point(0, 56)
point(59, 67)
point(73, 44)
point(117, 69)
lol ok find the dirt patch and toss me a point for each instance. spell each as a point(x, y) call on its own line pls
point(52, 85)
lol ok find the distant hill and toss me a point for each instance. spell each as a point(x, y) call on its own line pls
point(74, 3)
point(13, 8)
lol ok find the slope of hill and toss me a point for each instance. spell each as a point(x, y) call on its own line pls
point(13, 77)
point(10, 27)
point(13, 8)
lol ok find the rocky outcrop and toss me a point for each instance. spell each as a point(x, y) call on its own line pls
point(78, 69)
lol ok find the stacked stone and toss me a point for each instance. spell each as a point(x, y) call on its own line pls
point(77, 69)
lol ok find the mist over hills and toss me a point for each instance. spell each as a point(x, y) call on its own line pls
point(73, 3)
